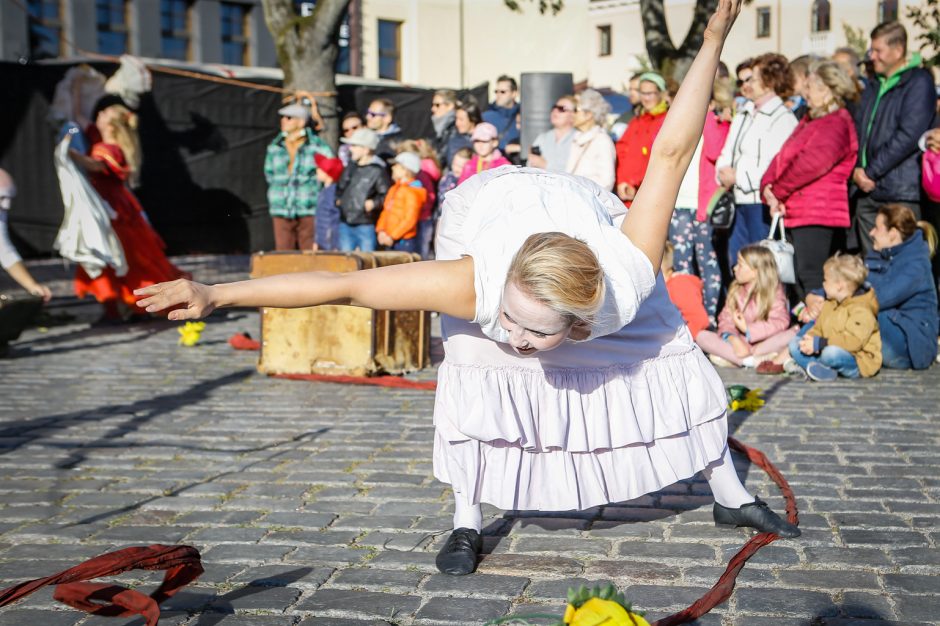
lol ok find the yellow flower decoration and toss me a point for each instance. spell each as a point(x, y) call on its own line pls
point(189, 333)
point(751, 402)
point(597, 612)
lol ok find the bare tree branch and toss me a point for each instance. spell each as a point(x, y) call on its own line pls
point(544, 6)
point(659, 44)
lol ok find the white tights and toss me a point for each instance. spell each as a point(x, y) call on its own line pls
point(724, 482)
point(467, 515)
point(721, 476)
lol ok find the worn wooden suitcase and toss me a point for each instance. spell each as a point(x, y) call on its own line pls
point(339, 339)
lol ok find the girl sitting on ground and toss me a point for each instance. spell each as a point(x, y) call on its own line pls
point(755, 322)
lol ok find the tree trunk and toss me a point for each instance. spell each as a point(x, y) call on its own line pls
point(673, 62)
point(307, 50)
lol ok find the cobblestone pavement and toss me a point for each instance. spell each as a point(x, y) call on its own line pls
point(314, 503)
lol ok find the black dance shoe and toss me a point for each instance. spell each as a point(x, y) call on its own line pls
point(459, 554)
point(757, 515)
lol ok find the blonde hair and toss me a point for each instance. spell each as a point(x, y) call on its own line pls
point(843, 87)
point(422, 148)
point(848, 267)
point(766, 285)
point(562, 273)
point(723, 93)
point(124, 125)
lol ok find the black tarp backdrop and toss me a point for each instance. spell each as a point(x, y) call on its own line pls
point(202, 182)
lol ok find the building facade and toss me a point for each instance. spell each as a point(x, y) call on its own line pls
point(446, 43)
point(789, 27)
point(231, 32)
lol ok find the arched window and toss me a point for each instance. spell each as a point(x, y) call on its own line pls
point(820, 16)
point(887, 11)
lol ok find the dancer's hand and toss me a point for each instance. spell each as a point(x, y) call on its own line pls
point(721, 21)
point(189, 300)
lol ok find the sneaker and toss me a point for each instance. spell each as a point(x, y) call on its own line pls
point(790, 366)
point(717, 361)
point(820, 373)
point(769, 367)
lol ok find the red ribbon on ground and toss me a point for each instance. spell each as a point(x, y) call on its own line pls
point(722, 589)
point(181, 563)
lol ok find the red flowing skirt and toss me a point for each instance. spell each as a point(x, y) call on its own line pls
point(147, 263)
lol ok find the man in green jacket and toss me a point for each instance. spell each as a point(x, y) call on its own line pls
point(291, 172)
point(896, 109)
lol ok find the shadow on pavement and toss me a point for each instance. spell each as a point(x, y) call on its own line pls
point(138, 413)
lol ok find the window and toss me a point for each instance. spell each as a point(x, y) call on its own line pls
point(603, 40)
point(304, 8)
point(820, 16)
point(234, 33)
point(763, 22)
point(111, 18)
point(343, 63)
point(175, 29)
point(45, 28)
point(887, 11)
point(390, 49)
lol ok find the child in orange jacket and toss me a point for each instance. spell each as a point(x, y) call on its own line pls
point(397, 228)
point(686, 292)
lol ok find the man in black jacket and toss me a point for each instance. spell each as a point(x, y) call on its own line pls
point(443, 114)
point(360, 192)
point(380, 117)
point(896, 109)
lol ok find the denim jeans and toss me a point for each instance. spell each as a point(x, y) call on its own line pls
point(894, 351)
point(751, 225)
point(833, 357)
point(406, 245)
point(425, 238)
point(352, 237)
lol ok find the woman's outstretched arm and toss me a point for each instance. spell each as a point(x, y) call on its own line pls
point(444, 286)
point(647, 221)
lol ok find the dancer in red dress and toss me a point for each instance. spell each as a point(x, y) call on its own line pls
point(114, 162)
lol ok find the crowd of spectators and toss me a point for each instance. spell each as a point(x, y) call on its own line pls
point(829, 147)
point(840, 152)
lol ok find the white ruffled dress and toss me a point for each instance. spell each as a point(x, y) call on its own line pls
point(634, 408)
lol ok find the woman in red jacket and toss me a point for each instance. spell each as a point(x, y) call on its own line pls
point(807, 182)
point(633, 148)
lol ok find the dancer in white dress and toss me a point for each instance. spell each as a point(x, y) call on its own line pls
point(569, 380)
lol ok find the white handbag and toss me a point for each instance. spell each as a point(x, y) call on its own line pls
point(782, 250)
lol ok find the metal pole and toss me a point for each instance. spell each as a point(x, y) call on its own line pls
point(463, 81)
point(779, 25)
